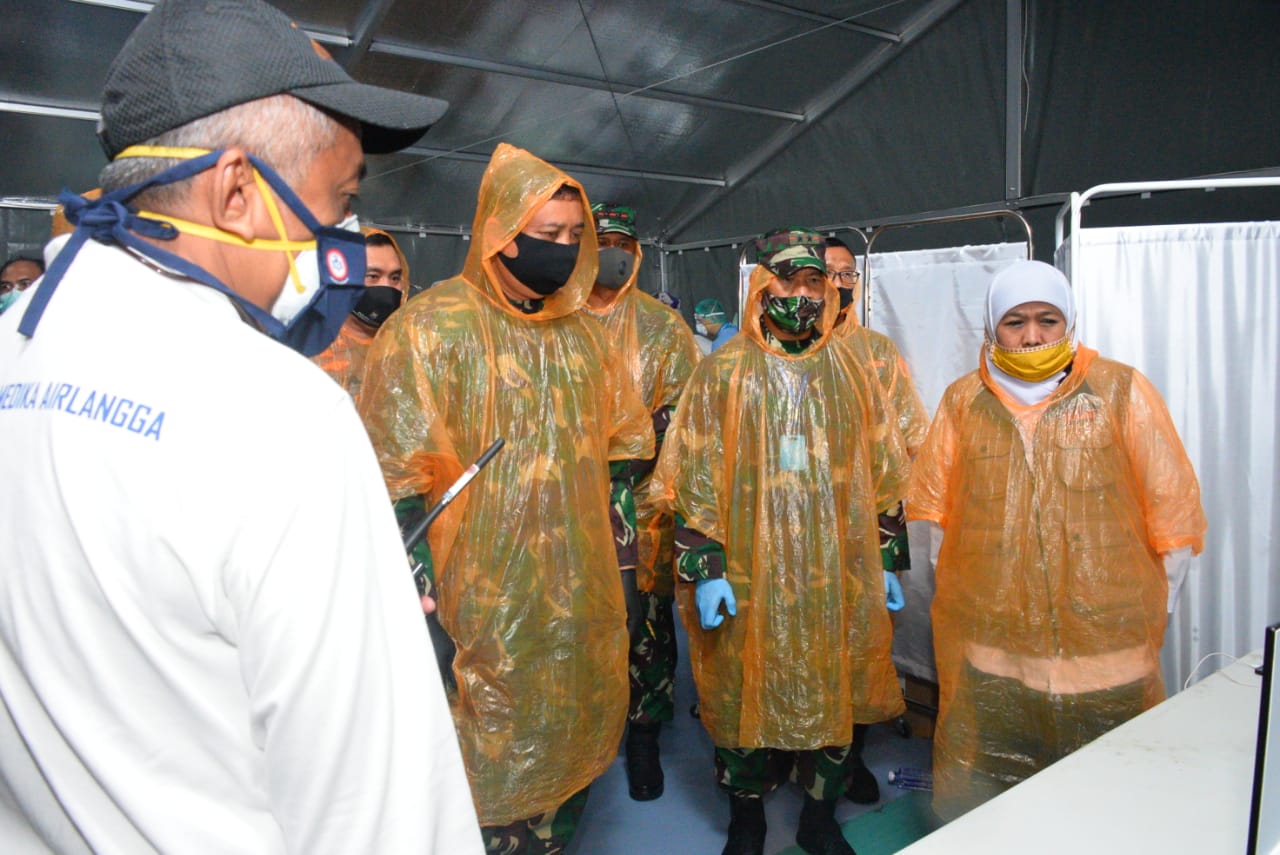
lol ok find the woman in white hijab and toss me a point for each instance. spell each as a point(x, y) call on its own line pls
point(1068, 511)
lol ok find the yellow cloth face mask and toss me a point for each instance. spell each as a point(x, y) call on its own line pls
point(289, 247)
point(1034, 364)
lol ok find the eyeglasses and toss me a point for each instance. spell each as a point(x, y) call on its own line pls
point(846, 276)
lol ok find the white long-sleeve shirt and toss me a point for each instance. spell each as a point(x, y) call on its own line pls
point(209, 638)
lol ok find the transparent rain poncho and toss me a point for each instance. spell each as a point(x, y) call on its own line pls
point(1050, 577)
point(786, 460)
point(527, 577)
point(895, 379)
point(656, 344)
point(344, 359)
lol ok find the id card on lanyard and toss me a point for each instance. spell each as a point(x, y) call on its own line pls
point(793, 450)
point(794, 454)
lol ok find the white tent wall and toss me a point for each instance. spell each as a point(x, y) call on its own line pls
point(931, 303)
point(1196, 308)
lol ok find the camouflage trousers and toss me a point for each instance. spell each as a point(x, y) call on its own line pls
point(651, 662)
point(756, 772)
point(547, 834)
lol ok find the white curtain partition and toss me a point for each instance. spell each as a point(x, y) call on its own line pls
point(931, 302)
point(1196, 308)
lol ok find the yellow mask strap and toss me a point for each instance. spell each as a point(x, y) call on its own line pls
point(175, 152)
point(278, 222)
point(200, 230)
point(211, 233)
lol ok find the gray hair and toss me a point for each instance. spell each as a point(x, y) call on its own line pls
point(281, 130)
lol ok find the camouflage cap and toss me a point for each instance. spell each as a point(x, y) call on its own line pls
point(611, 217)
point(783, 251)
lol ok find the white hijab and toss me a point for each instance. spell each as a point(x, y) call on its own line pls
point(1027, 282)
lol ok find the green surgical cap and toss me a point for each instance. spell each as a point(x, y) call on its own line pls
point(710, 309)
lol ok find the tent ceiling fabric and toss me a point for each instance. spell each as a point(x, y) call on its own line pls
point(723, 117)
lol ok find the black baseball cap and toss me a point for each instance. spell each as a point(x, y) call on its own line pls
point(191, 58)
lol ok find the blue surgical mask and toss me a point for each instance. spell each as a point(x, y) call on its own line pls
point(8, 298)
point(326, 274)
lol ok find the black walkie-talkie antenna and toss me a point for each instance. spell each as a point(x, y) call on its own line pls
point(419, 531)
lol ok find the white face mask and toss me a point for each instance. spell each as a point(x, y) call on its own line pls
point(293, 299)
point(701, 328)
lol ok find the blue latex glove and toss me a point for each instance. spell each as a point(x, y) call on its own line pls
point(708, 595)
point(893, 588)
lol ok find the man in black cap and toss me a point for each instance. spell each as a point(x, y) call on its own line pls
point(209, 637)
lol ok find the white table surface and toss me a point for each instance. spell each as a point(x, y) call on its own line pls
point(1178, 778)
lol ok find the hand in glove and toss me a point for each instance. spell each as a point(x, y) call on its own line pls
point(893, 588)
point(1176, 565)
point(708, 596)
point(635, 609)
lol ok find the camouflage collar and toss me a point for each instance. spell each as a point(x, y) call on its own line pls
point(788, 347)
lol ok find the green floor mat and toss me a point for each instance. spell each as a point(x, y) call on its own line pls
point(895, 826)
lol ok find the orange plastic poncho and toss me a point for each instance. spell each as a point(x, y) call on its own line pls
point(658, 347)
point(1054, 519)
point(895, 379)
point(344, 359)
point(528, 581)
point(786, 460)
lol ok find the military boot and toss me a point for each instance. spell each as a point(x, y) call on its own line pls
point(862, 788)
point(819, 833)
point(746, 826)
point(644, 769)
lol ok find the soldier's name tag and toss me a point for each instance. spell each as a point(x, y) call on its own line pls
point(795, 453)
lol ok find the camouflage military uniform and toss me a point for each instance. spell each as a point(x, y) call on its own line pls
point(756, 772)
point(522, 590)
point(895, 554)
point(545, 834)
point(660, 353)
point(778, 460)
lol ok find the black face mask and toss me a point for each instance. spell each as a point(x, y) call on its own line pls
point(846, 297)
point(543, 266)
point(376, 305)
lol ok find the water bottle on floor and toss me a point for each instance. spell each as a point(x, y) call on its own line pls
point(905, 778)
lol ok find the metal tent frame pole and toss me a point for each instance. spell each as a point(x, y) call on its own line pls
point(1077, 201)
point(946, 218)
